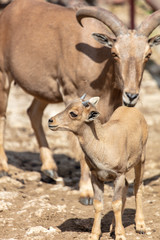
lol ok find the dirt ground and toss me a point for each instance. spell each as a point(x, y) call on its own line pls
point(32, 209)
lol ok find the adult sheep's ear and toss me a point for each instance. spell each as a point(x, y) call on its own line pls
point(154, 41)
point(92, 116)
point(104, 39)
point(94, 100)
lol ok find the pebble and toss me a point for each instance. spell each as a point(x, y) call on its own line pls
point(60, 181)
point(8, 195)
point(39, 190)
point(60, 208)
point(29, 176)
point(4, 205)
point(39, 213)
point(10, 181)
point(40, 229)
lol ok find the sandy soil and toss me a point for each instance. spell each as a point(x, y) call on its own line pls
point(33, 209)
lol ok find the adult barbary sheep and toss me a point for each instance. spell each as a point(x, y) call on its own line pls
point(47, 53)
point(111, 150)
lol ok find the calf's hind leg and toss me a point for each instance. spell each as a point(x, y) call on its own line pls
point(118, 205)
point(124, 194)
point(4, 92)
point(35, 113)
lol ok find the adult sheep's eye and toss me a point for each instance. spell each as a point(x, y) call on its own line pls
point(72, 114)
point(148, 56)
point(114, 55)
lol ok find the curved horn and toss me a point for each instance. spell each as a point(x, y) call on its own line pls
point(109, 19)
point(149, 24)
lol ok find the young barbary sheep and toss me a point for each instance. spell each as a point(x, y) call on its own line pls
point(111, 150)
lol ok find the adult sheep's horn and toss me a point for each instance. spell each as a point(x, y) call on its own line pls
point(105, 16)
point(149, 24)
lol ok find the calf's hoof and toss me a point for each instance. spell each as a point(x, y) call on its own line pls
point(120, 237)
point(86, 200)
point(94, 236)
point(3, 173)
point(140, 227)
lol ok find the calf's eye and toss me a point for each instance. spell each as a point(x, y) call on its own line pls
point(72, 114)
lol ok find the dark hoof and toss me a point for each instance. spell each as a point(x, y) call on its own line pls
point(3, 173)
point(112, 234)
point(51, 174)
point(86, 201)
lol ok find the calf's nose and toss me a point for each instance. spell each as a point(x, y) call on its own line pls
point(50, 120)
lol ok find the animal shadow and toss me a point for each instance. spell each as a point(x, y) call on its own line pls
point(68, 168)
point(85, 225)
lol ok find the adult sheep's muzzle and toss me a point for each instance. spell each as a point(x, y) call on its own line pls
point(130, 99)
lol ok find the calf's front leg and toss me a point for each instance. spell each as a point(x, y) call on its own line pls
point(98, 188)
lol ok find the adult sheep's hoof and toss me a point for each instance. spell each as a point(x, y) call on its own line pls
point(86, 200)
point(3, 173)
point(52, 175)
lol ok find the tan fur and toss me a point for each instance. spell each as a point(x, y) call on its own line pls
point(46, 52)
point(111, 150)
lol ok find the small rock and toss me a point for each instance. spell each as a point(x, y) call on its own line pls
point(4, 205)
point(36, 230)
point(10, 181)
point(60, 181)
point(8, 195)
point(39, 213)
point(29, 176)
point(39, 190)
point(44, 197)
point(40, 229)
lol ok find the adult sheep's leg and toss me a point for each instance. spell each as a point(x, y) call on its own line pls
point(35, 113)
point(138, 189)
point(4, 91)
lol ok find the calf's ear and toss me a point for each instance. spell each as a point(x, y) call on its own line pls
point(92, 116)
point(94, 100)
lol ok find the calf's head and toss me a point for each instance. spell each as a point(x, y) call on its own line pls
point(75, 115)
point(130, 49)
